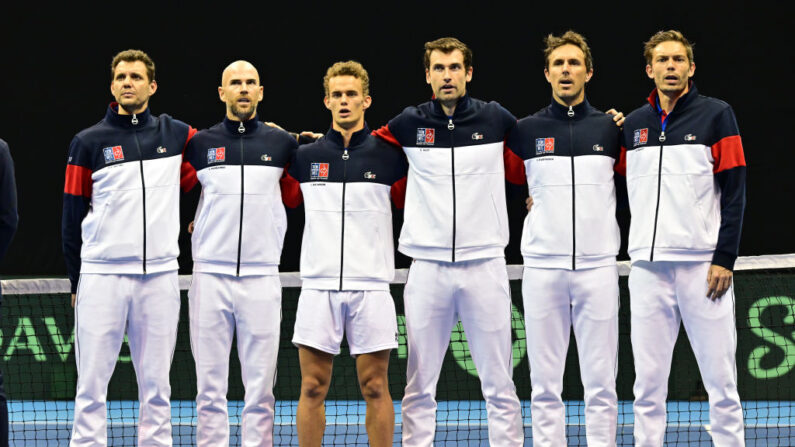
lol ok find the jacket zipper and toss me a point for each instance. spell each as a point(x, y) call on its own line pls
point(450, 127)
point(134, 121)
point(241, 130)
point(345, 158)
point(659, 187)
point(570, 113)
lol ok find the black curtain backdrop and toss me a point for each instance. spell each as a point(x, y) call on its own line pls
point(55, 81)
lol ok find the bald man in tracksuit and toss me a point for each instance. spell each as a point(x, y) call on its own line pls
point(236, 243)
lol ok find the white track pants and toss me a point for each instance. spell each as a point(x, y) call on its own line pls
point(148, 306)
point(221, 305)
point(661, 295)
point(436, 296)
point(554, 301)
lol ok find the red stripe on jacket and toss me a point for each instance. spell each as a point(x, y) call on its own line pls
point(398, 192)
point(385, 134)
point(291, 189)
point(78, 181)
point(728, 153)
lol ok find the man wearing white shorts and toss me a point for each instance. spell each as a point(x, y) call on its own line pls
point(237, 242)
point(347, 256)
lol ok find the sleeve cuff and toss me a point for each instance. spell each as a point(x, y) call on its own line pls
point(725, 260)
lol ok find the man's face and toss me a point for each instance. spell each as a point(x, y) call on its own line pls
point(447, 76)
point(241, 91)
point(567, 75)
point(670, 68)
point(131, 87)
point(346, 101)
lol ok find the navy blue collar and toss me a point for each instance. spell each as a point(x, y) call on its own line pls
point(654, 98)
point(136, 121)
point(249, 126)
point(357, 138)
point(562, 112)
point(460, 107)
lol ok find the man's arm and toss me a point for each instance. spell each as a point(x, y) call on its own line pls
point(76, 202)
point(8, 199)
point(729, 169)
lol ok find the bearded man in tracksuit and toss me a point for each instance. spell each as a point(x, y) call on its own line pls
point(237, 242)
point(569, 244)
point(345, 180)
point(120, 230)
point(456, 229)
point(686, 182)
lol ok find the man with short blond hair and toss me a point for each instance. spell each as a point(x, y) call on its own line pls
point(120, 229)
point(685, 173)
point(345, 180)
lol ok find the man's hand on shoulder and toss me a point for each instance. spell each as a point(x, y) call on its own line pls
point(618, 117)
point(718, 281)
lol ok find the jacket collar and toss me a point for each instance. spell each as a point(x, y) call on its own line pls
point(136, 121)
point(249, 126)
point(682, 102)
point(357, 138)
point(560, 111)
point(462, 106)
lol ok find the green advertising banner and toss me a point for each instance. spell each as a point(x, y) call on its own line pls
point(37, 351)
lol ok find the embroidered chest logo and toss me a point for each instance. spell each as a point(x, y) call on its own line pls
point(690, 137)
point(640, 136)
point(161, 150)
point(477, 136)
point(426, 136)
point(545, 146)
point(266, 157)
point(598, 148)
point(112, 154)
point(216, 154)
point(318, 171)
point(369, 175)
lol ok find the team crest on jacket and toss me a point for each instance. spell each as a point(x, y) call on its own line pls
point(112, 154)
point(426, 136)
point(318, 171)
point(545, 146)
point(641, 136)
point(216, 154)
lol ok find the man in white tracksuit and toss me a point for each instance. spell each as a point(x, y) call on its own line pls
point(686, 182)
point(569, 243)
point(237, 240)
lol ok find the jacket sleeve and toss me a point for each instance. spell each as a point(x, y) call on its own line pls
point(291, 187)
point(8, 199)
point(512, 158)
point(76, 202)
point(729, 169)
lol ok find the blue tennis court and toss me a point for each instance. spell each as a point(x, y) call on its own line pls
point(459, 423)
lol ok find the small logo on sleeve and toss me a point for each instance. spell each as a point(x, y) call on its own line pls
point(161, 150)
point(640, 136)
point(369, 175)
point(112, 154)
point(477, 136)
point(318, 171)
point(690, 137)
point(426, 136)
point(545, 146)
point(598, 148)
point(216, 154)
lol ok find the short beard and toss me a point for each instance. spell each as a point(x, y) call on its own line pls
point(244, 116)
point(131, 108)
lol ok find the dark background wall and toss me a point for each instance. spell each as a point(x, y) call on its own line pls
point(55, 81)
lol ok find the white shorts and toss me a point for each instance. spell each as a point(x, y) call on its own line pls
point(366, 316)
